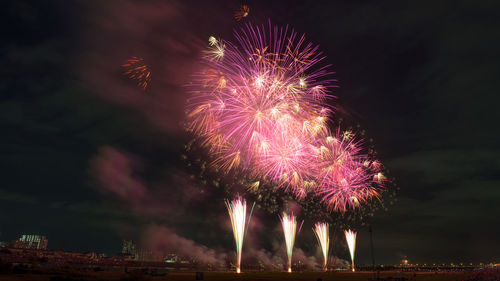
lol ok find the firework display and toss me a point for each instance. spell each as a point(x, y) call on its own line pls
point(237, 210)
point(322, 232)
point(137, 70)
point(350, 237)
point(289, 224)
point(260, 107)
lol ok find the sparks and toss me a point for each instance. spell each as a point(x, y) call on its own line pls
point(350, 237)
point(289, 224)
point(321, 230)
point(237, 210)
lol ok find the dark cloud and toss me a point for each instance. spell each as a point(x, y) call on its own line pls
point(115, 174)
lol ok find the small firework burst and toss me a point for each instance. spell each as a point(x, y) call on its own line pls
point(216, 50)
point(136, 69)
point(212, 40)
point(347, 177)
point(242, 13)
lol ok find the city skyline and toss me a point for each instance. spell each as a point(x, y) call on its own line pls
point(129, 251)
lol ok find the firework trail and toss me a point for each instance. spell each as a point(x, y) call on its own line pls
point(259, 107)
point(350, 237)
point(237, 210)
point(137, 70)
point(249, 218)
point(289, 223)
point(321, 230)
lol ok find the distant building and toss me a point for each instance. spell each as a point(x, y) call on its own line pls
point(130, 251)
point(129, 248)
point(94, 255)
point(148, 255)
point(38, 242)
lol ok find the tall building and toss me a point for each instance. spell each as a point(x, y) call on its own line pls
point(31, 242)
point(129, 248)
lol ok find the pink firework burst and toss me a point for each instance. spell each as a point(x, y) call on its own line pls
point(346, 176)
point(259, 105)
point(252, 90)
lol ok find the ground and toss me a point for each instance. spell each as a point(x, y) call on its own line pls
point(254, 276)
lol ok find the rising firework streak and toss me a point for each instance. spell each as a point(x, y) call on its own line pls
point(321, 230)
point(237, 210)
point(350, 237)
point(289, 223)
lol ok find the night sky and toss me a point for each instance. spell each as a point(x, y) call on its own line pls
point(87, 158)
